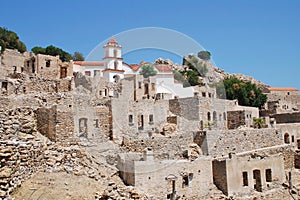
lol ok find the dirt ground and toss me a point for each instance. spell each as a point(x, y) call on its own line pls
point(60, 185)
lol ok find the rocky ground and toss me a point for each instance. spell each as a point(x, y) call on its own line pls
point(76, 172)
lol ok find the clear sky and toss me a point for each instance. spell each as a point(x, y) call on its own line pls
point(260, 38)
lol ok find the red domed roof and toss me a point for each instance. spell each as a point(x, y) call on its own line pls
point(112, 41)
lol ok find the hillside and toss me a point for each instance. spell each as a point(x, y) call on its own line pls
point(214, 74)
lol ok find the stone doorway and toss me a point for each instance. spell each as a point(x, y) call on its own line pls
point(83, 127)
point(257, 180)
point(63, 72)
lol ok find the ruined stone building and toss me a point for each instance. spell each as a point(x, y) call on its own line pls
point(175, 142)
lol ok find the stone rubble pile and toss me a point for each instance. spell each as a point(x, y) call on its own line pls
point(117, 192)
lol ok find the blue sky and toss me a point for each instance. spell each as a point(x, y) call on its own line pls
point(256, 38)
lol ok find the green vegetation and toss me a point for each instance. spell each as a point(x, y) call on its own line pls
point(204, 55)
point(53, 51)
point(10, 40)
point(148, 70)
point(196, 64)
point(190, 76)
point(246, 93)
point(209, 125)
point(259, 123)
point(77, 56)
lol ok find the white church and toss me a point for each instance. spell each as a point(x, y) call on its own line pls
point(113, 69)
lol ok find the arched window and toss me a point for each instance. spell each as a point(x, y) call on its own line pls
point(115, 53)
point(83, 127)
point(286, 138)
point(208, 116)
point(116, 78)
point(215, 116)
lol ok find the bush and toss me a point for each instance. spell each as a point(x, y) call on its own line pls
point(204, 55)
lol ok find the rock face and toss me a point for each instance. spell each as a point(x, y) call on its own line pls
point(213, 75)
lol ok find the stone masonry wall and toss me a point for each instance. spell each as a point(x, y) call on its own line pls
point(219, 175)
point(235, 119)
point(46, 122)
point(287, 118)
point(48, 66)
point(164, 147)
point(20, 150)
point(244, 140)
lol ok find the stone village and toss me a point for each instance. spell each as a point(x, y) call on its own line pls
point(165, 140)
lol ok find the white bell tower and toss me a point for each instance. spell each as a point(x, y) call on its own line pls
point(113, 71)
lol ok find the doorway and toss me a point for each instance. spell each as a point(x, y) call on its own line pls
point(257, 180)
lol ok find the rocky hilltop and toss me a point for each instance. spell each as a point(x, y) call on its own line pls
point(214, 74)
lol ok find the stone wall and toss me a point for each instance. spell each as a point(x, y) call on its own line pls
point(288, 101)
point(197, 112)
point(170, 147)
point(220, 175)
point(287, 118)
point(46, 122)
point(191, 179)
point(92, 117)
point(48, 66)
point(20, 150)
point(187, 108)
point(235, 119)
point(243, 140)
point(12, 61)
point(142, 115)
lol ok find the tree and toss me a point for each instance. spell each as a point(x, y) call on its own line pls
point(148, 70)
point(10, 40)
point(204, 55)
point(246, 93)
point(53, 51)
point(38, 50)
point(77, 56)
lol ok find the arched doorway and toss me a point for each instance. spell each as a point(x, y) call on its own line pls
point(116, 78)
point(286, 138)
